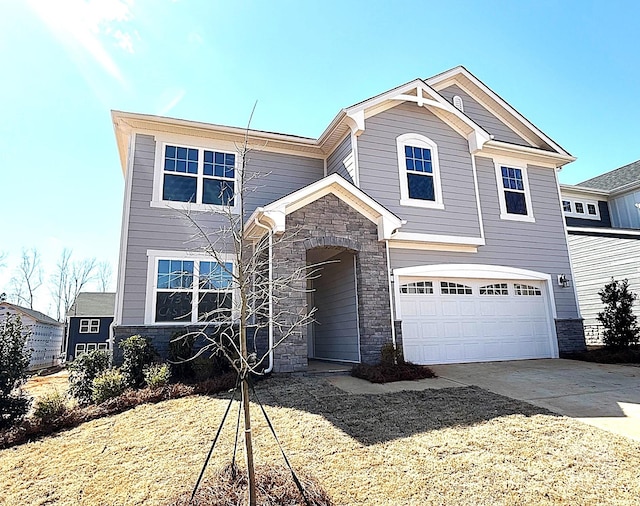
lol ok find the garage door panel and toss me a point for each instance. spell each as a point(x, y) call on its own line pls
point(450, 328)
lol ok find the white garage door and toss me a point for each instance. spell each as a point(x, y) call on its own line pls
point(462, 320)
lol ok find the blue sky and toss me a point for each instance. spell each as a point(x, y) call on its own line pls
point(572, 68)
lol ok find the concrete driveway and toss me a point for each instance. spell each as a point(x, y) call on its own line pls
point(606, 396)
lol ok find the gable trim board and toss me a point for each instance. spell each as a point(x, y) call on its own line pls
point(449, 77)
point(276, 212)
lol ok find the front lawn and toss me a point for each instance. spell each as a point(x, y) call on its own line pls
point(451, 446)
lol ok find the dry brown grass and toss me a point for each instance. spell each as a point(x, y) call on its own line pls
point(453, 446)
point(38, 385)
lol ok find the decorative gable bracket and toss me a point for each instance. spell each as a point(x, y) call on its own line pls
point(422, 95)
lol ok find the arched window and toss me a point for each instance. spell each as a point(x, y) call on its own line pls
point(419, 171)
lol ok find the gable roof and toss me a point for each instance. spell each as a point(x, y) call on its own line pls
point(36, 315)
point(496, 105)
point(93, 304)
point(274, 214)
point(615, 179)
point(351, 120)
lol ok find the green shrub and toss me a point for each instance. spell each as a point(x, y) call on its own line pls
point(137, 353)
point(156, 375)
point(14, 360)
point(390, 355)
point(82, 371)
point(620, 324)
point(50, 406)
point(107, 385)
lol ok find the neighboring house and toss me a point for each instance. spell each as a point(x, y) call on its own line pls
point(603, 222)
point(88, 322)
point(437, 199)
point(45, 335)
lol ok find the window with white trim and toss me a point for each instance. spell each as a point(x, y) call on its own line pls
point(197, 175)
point(89, 326)
point(419, 171)
point(422, 287)
point(448, 288)
point(81, 349)
point(494, 289)
point(526, 289)
point(585, 209)
point(513, 192)
point(192, 290)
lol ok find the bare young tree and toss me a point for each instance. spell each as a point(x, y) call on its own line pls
point(27, 278)
point(104, 274)
point(69, 279)
point(249, 287)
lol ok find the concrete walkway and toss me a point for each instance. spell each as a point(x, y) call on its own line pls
point(606, 396)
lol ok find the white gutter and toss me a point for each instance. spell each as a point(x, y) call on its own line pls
point(393, 326)
point(270, 232)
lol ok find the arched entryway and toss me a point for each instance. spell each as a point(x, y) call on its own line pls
point(333, 292)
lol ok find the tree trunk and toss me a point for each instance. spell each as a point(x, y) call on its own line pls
point(248, 443)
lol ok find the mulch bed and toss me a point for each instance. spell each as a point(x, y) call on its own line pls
point(606, 355)
point(274, 487)
point(387, 373)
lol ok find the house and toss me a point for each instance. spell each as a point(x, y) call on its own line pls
point(45, 335)
point(436, 202)
point(88, 322)
point(603, 223)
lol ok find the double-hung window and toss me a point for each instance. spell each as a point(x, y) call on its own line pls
point(513, 192)
point(189, 290)
point(419, 171)
point(194, 175)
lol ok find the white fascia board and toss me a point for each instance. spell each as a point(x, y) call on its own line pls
point(605, 230)
point(582, 190)
point(461, 70)
point(438, 239)
point(533, 156)
point(280, 143)
point(626, 188)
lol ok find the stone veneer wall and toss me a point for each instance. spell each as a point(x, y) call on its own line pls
point(570, 334)
point(329, 222)
point(161, 336)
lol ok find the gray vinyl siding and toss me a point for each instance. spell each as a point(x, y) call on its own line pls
point(483, 117)
point(166, 229)
point(336, 327)
point(595, 261)
point(380, 177)
point(277, 176)
point(339, 161)
point(539, 246)
point(624, 213)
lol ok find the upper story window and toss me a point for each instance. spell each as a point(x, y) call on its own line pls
point(513, 192)
point(89, 326)
point(189, 290)
point(419, 171)
point(198, 176)
point(585, 209)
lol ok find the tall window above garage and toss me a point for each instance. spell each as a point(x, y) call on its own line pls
point(197, 176)
point(513, 192)
point(419, 171)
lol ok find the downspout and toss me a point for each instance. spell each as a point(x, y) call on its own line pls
point(270, 232)
point(393, 326)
